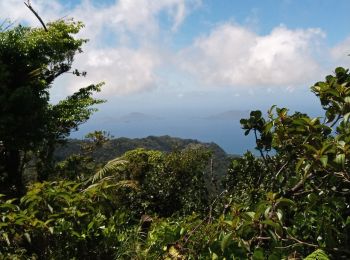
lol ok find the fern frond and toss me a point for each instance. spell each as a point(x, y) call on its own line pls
point(103, 184)
point(129, 184)
point(113, 166)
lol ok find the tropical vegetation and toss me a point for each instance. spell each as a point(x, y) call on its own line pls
point(292, 201)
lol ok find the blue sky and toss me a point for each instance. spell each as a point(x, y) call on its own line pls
point(179, 59)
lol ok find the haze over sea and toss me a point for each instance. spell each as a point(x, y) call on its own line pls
point(226, 133)
point(211, 124)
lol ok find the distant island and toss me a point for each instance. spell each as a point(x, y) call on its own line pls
point(229, 115)
point(137, 116)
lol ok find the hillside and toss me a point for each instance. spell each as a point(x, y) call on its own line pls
point(118, 146)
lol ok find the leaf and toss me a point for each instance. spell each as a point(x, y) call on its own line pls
point(340, 70)
point(258, 254)
point(27, 236)
point(312, 197)
point(174, 253)
point(256, 114)
point(347, 223)
point(225, 241)
point(113, 166)
point(50, 208)
point(6, 237)
point(285, 202)
point(340, 159)
point(268, 127)
point(311, 148)
point(51, 230)
point(270, 223)
point(324, 160)
point(346, 117)
point(214, 256)
point(300, 162)
point(319, 254)
point(274, 256)
point(250, 214)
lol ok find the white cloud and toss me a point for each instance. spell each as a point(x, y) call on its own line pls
point(122, 69)
point(230, 54)
point(136, 17)
point(340, 53)
point(235, 56)
point(16, 11)
point(126, 62)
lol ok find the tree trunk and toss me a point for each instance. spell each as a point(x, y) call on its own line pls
point(12, 168)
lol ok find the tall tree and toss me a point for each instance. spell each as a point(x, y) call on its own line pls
point(30, 60)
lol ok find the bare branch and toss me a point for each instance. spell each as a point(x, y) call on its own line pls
point(36, 14)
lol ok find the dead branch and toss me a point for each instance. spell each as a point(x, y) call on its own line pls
point(36, 14)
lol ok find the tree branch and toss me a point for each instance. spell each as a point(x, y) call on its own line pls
point(36, 14)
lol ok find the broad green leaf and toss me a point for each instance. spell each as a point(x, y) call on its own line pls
point(300, 162)
point(347, 223)
point(27, 236)
point(324, 160)
point(51, 230)
point(225, 241)
point(285, 202)
point(50, 208)
point(340, 159)
point(6, 237)
point(346, 117)
point(258, 254)
point(319, 254)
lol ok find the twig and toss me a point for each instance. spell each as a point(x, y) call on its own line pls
point(345, 177)
point(7, 27)
point(187, 236)
point(281, 169)
point(298, 186)
point(339, 116)
point(302, 242)
point(36, 14)
point(260, 150)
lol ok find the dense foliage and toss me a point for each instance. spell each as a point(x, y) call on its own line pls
point(30, 126)
point(290, 202)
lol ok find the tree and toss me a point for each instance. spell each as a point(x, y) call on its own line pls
point(307, 179)
point(30, 60)
point(164, 183)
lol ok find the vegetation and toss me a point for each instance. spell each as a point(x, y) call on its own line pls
point(290, 202)
point(30, 60)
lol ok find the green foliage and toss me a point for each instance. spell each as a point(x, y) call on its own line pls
point(308, 174)
point(81, 165)
point(116, 147)
point(30, 60)
point(292, 201)
point(62, 220)
point(317, 255)
point(166, 183)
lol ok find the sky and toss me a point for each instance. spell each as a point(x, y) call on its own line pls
point(178, 60)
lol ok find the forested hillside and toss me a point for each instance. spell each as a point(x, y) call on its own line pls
point(157, 197)
point(115, 147)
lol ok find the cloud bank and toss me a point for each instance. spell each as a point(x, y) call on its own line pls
point(233, 55)
point(127, 47)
